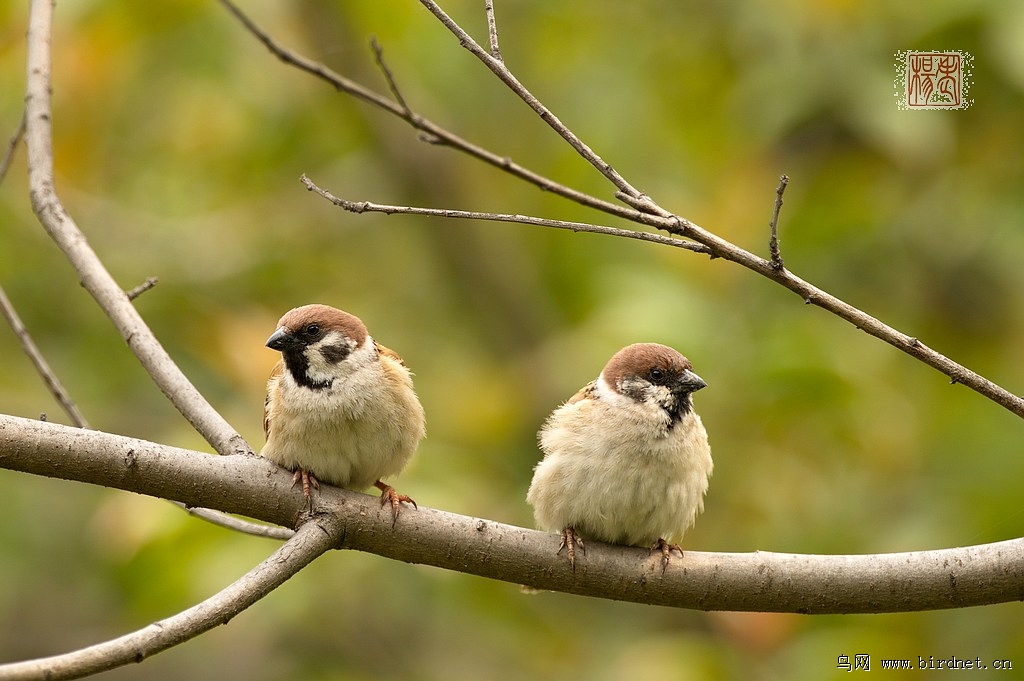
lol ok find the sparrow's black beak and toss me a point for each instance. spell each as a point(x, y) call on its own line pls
point(690, 382)
point(282, 339)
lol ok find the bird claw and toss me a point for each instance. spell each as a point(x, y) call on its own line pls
point(666, 550)
point(570, 540)
point(388, 495)
point(309, 483)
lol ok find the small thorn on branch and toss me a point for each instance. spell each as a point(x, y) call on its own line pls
point(142, 288)
point(773, 238)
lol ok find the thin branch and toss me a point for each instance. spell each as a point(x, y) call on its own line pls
point(91, 271)
point(499, 69)
point(433, 132)
point(492, 29)
point(12, 146)
point(230, 522)
point(773, 237)
point(53, 383)
point(389, 78)
point(142, 288)
point(367, 206)
point(758, 581)
point(312, 540)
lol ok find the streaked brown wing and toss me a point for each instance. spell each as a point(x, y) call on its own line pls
point(388, 352)
point(583, 393)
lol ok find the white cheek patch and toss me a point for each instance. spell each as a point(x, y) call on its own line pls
point(322, 356)
point(648, 407)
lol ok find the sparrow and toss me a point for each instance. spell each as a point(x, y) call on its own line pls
point(626, 459)
point(340, 407)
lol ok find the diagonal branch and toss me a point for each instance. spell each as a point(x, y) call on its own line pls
point(759, 581)
point(433, 132)
point(643, 210)
point(311, 541)
point(91, 271)
point(12, 145)
point(30, 348)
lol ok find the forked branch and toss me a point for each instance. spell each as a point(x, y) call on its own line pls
point(640, 208)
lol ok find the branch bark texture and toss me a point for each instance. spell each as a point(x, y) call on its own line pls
point(758, 581)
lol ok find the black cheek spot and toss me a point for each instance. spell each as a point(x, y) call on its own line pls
point(335, 353)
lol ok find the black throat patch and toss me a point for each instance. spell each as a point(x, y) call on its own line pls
point(296, 364)
point(678, 406)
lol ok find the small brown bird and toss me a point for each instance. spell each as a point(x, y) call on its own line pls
point(340, 407)
point(626, 459)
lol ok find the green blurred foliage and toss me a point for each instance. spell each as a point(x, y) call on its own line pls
point(179, 143)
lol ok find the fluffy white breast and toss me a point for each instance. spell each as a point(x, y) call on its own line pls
point(619, 470)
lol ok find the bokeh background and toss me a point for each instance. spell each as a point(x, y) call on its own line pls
point(179, 144)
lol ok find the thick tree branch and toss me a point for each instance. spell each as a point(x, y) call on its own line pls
point(312, 540)
point(93, 275)
point(759, 581)
point(641, 208)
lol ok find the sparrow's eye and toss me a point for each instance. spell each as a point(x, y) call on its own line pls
point(657, 375)
point(312, 330)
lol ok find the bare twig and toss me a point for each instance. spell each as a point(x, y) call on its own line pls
point(312, 540)
point(53, 383)
point(759, 581)
point(389, 78)
point(12, 145)
point(367, 206)
point(492, 29)
point(94, 276)
point(142, 288)
point(773, 237)
point(230, 522)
